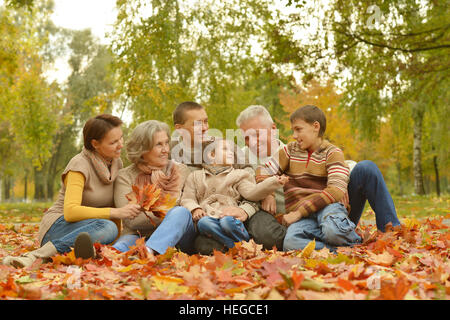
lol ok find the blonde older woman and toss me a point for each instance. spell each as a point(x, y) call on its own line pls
point(148, 150)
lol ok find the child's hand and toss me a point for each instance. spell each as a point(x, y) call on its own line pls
point(197, 214)
point(269, 204)
point(282, 179)
point(290, 218)
point(236, 212)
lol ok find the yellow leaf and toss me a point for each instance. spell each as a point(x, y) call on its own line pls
point(170, 285)
point(315, 284)
point(238, 289)
point(411, 222)
point(66, 259)
point(126, 269)
point(311, 263)
point(168, 279)
point(306, 252)
point(274, 295)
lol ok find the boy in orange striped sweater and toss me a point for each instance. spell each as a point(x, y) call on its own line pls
point(316, 195)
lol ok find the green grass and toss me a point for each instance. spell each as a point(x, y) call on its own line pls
point(418, 207)
point(22, 212)
point(423, 206)
point(408, 206)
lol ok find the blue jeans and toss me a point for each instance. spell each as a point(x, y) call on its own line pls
point(367, 183)
point(63, 234)
point(330, 227)
point(226, 230)
point(176, 229)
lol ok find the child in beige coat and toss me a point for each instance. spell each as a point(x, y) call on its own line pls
point(207, 192)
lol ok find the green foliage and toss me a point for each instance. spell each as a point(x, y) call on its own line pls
point(29, 104)
point(20, 3)
point(40, 122)
point(89, 91)
point(391, 58)
point(91, 78)
point(202, 51)
point(35, 117)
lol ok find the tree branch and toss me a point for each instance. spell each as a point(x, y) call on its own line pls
point(383, 45)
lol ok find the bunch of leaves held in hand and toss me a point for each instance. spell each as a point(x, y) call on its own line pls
point(151, 198)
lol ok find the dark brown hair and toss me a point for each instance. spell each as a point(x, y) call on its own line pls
point(311, 114)
point(179, 114)
point(96, 128)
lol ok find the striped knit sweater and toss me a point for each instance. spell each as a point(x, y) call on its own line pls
point(315, 180)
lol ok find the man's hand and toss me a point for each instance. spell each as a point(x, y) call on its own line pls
point(269, 204)
point(197, 214)
point(236, 212)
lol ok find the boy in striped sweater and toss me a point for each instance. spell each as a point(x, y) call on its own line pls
point(316, 195)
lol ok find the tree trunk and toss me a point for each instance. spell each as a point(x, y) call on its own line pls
point(51, 174)
point(45, 177)
point(39, 184)
point(52, 167)
point(436, 172)
point(7, 188)
point(25, 187)
point(398, 166)
point(50, 187)
point(399, 177)
point(418, 113)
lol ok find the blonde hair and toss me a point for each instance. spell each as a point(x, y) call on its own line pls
point(141, 139)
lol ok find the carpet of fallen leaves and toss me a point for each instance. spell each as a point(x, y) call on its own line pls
point(408, 262)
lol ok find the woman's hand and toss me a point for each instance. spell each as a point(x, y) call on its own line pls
point(130, 211)
point(197, 214)
point(269, 204)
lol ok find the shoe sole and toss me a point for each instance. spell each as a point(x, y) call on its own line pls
point(17, 264)
point(83, 246)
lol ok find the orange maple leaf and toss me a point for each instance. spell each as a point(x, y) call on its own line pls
point(151, 198)
point(139, 249)
point(67, 258)
point(398, 291)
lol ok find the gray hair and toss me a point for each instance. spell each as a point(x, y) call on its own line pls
point(252, 112)
point(141, 139)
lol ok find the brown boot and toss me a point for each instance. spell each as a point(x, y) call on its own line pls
point(45, 252)
point(84, 247)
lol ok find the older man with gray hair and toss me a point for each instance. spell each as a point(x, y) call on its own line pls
point(261, 142)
